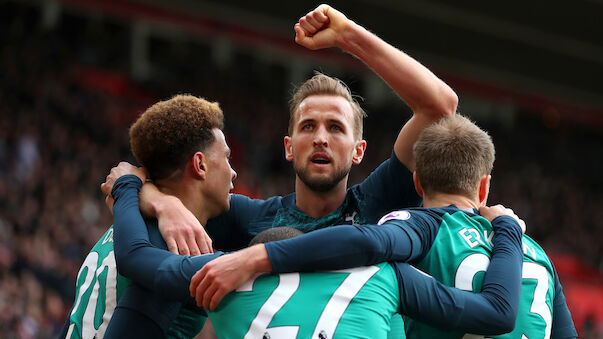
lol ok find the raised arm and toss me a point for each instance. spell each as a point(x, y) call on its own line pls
point(492, 311)
point(427, 95)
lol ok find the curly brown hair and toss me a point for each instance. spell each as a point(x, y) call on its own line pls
point(169, 132)
point(321, 84)
point(452, 155)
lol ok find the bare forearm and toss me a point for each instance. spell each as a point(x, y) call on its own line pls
point(150, 198)
point(424, 92)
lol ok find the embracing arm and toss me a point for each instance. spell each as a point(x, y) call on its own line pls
point(563, 325)
point(345, 247)
point(427, 95)
point(492, 311)
point(182, 232)
point(137, 258)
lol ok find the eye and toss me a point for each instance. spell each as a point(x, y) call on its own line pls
point(336, 128)
point(307, 127)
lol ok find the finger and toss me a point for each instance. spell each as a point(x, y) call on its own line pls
point(300, 35)
point(208, 295)
point(109, 202)
point(306, 26)
point(320, 17)
point(203, 241)
point(171, 245)
point(182, 246)
point(204, 283)
point(195, 280)
point(105, 188)
point(192, 245)
point(316, 25)
point(216, 298)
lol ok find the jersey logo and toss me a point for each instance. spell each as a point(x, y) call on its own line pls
point(352, 218)
point(396, 215)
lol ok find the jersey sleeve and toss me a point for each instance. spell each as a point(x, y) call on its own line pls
point(391, 186)
point(137, 259)
point(492, 311)
point(563, 325)
point(352, 246)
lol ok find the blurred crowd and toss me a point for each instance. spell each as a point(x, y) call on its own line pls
point(66, 100)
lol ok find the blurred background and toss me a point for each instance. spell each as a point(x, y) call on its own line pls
point(75, 73)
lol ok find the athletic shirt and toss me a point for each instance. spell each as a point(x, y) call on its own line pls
point(353, 303)
point(459, 256)
point(388, 188)
point(99, 287)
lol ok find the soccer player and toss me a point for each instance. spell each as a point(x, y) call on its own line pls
point(181, 144)
point(325, 141)
point(356, 303)
point(454, 161)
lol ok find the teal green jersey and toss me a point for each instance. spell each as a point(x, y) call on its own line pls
point(97, 289)
point(460, 255)
point(353, 303)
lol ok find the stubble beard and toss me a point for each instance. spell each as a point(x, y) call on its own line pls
point(321, 185)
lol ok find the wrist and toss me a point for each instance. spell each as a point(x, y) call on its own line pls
point(259, 259)
point(349, 38)
point(164, 203)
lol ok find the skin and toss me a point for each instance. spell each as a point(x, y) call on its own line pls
point(202, 187)
point(323, 149)
point(428, 96)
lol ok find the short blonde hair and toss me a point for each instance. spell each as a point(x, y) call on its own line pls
point(452, 155)
point(321, 84)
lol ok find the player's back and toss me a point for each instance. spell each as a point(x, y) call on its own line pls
point(98, 287)
point(460, 255)
point(354, 303)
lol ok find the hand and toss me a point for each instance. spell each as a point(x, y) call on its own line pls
point(491, 213)
point(180, 229)
point(321, 28)
point(227, 273)
point(123, 168)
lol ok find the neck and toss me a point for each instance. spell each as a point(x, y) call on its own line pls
point(444, 199)
point(190, 197)
point(319, 204)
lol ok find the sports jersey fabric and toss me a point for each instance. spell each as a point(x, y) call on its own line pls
point(438, 241)
point(389, 187)
point(418, 294)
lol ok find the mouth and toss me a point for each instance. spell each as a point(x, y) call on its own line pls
point(320, 158)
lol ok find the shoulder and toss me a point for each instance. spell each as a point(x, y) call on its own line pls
point(413, 214)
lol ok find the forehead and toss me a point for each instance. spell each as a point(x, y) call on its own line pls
point(220, 142)
point(328, 107)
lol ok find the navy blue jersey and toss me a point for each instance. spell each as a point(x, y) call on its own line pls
point(389, 187)
point(408, 236)
point(163, 274)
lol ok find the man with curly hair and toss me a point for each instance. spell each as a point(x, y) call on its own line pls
point(181, 144)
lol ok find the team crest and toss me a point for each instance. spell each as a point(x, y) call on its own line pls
point(396, 215)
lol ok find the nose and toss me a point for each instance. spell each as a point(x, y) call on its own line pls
point(320, 137)
point(233, 174)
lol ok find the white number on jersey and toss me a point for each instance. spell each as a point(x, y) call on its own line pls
point(93, 275)
point(478, 262)
point(332, 313)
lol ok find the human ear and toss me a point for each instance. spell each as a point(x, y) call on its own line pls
point(484, 188)
point(417, 182)
point(288, 148)
point(359, 150)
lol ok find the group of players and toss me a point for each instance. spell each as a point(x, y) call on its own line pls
point(130, 285)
